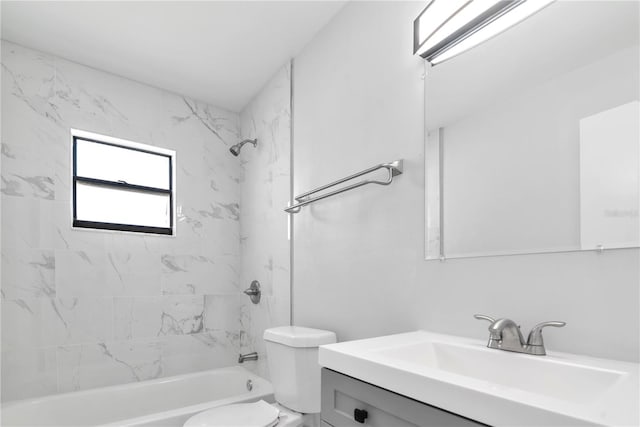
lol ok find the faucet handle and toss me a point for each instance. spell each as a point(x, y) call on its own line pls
point(483, 317)
point(493, 336)
point(535, 336)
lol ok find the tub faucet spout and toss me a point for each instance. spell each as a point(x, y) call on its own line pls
point(249, 356)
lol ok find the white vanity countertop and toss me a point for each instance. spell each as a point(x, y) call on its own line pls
point(496, 387)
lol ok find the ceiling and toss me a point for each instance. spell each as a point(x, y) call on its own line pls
point(221, 52)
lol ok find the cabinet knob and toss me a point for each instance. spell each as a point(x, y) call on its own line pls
point(360, 415)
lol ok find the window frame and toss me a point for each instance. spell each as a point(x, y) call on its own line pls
point(129, 145)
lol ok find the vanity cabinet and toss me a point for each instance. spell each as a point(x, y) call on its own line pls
point(349, 402)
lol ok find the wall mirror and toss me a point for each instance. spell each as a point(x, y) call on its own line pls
point(532, 138)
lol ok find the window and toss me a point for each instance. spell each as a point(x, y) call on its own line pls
point(122, 185)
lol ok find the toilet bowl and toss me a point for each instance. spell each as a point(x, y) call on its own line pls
point(292, 358)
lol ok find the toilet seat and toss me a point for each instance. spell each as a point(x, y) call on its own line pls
point(256, 414)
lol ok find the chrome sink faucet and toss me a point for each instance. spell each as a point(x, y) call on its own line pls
point(505, 334)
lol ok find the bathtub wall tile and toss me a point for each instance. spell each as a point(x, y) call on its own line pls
point(189, 353)
point(97, 365)
point(222, 313)
point(27, 223)
point(28, 373)
point(132, 271)
point(46, 322)
point(77, 320)
point(22, 323)
point(265, 191)
point(28, 273)
point(81, 273)
point(152, 317)
point(95, 307)
point(123, 316)
point(197, 274)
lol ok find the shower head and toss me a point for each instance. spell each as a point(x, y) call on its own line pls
point(235, 149)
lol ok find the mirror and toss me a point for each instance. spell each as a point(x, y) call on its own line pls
point(533, 140)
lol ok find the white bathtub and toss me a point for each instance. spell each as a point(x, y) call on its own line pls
point(163, 402)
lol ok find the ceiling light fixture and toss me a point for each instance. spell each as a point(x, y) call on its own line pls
point(446, 28)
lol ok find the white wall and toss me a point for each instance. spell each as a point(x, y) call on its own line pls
point(85, 308)
point(359, 264)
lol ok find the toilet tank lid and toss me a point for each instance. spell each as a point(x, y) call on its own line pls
point(297, 336)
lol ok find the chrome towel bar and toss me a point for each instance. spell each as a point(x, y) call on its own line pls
point(394, 168)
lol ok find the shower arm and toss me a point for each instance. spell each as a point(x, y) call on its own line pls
point(394, 168)
point(254, 142)
point(235, 149)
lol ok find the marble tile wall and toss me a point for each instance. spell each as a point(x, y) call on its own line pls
point(83, 309)
point(265, 191)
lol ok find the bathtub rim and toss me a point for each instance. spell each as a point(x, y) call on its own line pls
point(263, 391)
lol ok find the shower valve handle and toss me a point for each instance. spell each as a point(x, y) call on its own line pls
point(254, 292)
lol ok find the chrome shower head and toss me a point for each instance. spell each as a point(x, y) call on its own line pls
point(235, 149)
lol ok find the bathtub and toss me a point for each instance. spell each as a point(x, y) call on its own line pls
point(163, 402)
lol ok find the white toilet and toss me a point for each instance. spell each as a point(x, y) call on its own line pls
point(292, 355)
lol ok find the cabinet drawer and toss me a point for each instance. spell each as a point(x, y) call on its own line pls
point(343, 395)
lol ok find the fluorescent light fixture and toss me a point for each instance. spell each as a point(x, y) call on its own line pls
point(446, 28)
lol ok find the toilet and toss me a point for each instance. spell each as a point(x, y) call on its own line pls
point(292, 357)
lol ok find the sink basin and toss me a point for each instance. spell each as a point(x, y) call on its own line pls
point(495, 387)
point(549, 376)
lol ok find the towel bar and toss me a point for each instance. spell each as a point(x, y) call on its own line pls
point(394, 168)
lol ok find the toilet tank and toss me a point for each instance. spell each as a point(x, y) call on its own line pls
point(292, 357)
